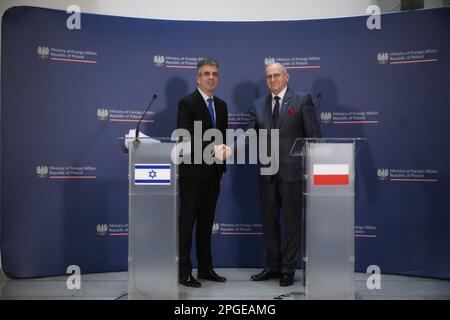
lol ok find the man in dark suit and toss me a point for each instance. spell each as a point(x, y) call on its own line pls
point(200, 183)
point(294, 116)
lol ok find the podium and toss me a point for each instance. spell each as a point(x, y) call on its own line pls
point(153, 220)
point(328, 215)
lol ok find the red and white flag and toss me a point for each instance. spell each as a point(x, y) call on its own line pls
point(331, 174)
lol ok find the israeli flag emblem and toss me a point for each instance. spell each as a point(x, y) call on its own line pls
point(152, 174)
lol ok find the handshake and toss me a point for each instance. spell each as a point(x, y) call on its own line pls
point(222, 152)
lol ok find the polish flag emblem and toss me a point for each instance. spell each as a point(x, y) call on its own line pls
point(331, 174)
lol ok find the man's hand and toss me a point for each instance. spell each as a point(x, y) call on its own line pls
point(222, 152)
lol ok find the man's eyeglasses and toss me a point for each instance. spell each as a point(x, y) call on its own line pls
point(275, 76)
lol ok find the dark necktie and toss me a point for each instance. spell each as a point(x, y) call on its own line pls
point(211, 112)
point(276, 111)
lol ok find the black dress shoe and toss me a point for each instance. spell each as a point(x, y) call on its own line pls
point(189, 281)
point(266, 274)
point(210, 275)
point(287, 279)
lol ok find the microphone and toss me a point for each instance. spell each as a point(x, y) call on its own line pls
point(143, 115)
point(319, 96)
point(311, 130)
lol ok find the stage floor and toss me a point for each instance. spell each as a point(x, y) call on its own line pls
point(114, 285)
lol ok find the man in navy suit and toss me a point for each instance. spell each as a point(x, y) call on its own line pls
point(200, 183)
point(294, 116)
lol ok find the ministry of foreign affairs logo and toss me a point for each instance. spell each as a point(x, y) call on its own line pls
point(269, 60)
point(159, 60)
point(382, 174)
point(43, 52)
point(102, 229)
point(102, 114)
point(42, 171)
point(383, 57)
point(216, 228)
point(326, 117)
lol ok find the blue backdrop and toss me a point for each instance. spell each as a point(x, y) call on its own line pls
point(67, 95)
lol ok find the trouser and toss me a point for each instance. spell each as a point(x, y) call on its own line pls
point(274, 196)
point(198, 198)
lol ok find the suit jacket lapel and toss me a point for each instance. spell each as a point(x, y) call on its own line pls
point(268, 108)
point(219, 114)
point(284, 107)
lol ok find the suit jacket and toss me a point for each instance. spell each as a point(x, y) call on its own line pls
point(297, 119)
point(193, 108)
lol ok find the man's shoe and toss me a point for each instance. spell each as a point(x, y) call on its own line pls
point(266, 274)
point(189, 281)
point(287, 279)
point(210, 275)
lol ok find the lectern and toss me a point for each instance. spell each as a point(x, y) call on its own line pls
point(328, 215)
point(153, 222)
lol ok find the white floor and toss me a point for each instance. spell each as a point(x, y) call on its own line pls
point(238, 287)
